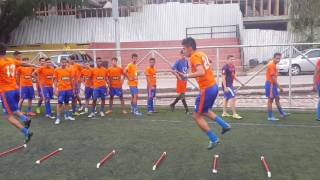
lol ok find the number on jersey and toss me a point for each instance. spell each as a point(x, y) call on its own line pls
point(206, 62)
point(11, 70)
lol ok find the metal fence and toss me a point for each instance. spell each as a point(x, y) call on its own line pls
point(297, 88)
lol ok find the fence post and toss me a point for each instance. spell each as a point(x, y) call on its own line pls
point(94, 58)
point(290, 76)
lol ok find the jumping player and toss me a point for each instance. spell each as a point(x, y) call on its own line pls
point(181, 66)
point(272, 85)
point(316, 87)
point(99, 78)
point(201, 70)
point(24, 77)
point(75, 69)
point(116, 78)
point(42, 62)
point(86, 74)
point(63, 90)
point(150, 73)
point(45, 75)
point(132, 76)
point(228, 76)
point(10, 93)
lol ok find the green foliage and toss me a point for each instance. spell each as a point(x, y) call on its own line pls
point(305, 18)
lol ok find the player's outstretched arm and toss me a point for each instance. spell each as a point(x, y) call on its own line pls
point(198, 73)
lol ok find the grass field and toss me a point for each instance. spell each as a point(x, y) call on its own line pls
point(291, 148)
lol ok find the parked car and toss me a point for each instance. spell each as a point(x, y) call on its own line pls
point(80, 58)
point(300, 63)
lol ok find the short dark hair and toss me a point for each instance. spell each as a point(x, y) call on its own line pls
point(230, 56)
point(181, 51)
point(47, 59)
point(189, 42)
point(134, 55)
point(16, 53)
point(72, 57)
point(3, 49)
point(152, 59)
point(114, 59)
point(41, 59)
point(25, 59)
point(277, 54)
point(98, 58)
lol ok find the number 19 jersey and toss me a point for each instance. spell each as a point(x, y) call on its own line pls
point(207, 80)
point(8, 68)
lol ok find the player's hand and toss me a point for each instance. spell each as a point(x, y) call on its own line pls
point(226, 90)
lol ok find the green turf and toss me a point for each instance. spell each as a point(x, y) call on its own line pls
point(291, 151)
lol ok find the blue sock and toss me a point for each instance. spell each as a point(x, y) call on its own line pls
point(318, 110)
point(270, 114)
point(25, 131)
point(23, 118)
point(28, 109)
point(48, 107)
point(280, 110)
point(221, 122)
point(212, 136)
point(74, 107)
point(101, 109)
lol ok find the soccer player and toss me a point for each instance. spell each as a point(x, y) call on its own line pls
point(17, 55)
point(116, 77)
point(131, 73)
point(201, 70)
point(181, 66)
point(228, 76)
point(63, 89)
point(10, 94)
point(316, 87)
point(45, 75)
point(272, 85)
point(99, 78)
point(24, 77)
point(86, 74)
point(42, 62)
point(75, 73)
point(150, 73)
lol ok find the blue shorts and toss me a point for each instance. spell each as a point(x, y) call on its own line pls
point(64, 96)
point(88, 92)
point(271, 90)
point(318, 88)
point(152, 92)
point(206, 98)
point(230, 94)
point(100, 92)
point(27, 92)
point(10, 100)
point(115, 91)
point(47, 92)
point(134, 90)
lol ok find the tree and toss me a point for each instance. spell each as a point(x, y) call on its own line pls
point(305, 18)
point(12, 12)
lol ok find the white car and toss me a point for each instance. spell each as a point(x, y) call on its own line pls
point(80, 58)
point(299, 62)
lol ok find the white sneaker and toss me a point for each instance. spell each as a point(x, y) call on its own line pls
point(86, 111)
point(91, 115)
point(70, 118)
point(102, 114)
point(57, 122)
point(81, 108)
point(50, 116)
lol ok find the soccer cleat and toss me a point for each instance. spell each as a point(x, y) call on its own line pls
point(28, 137)
point(124, 112)
point(50, 116)
point(31, 114)
point(273, 119)
point(70, 118)
point(27, 123)
point(109, 112)
point(137, 113)
point(284, 115)
point(91, 115)
point(213, 144)
point(81, 108)
point(226, 115)
point(57, 121)
point(76, 114)
point(236, 116)
point(102, 114)
point(224, 130)
point(38, 110)
point(172, 107)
